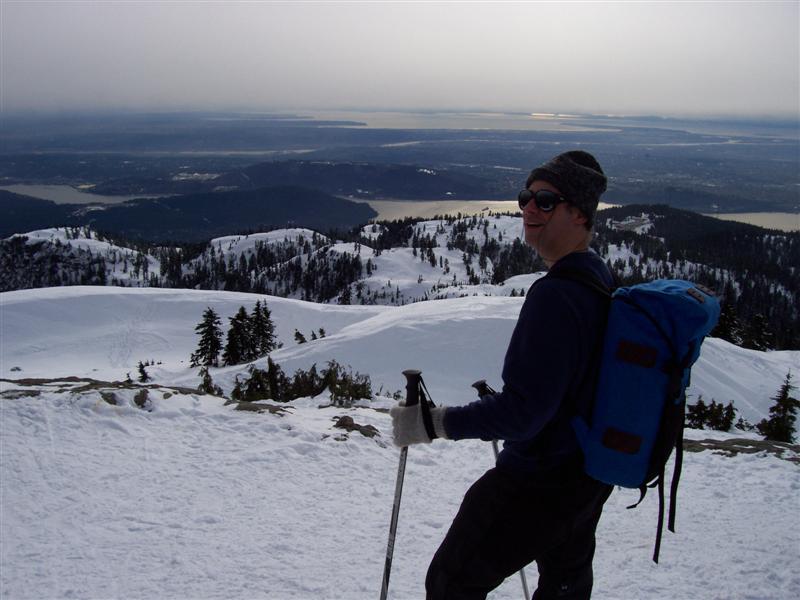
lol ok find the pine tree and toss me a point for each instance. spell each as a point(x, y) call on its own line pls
point(729, 327)
point(696, 414)
point(210, 344)
point(757, 335)
point(262, 329)
point(299, 337)
point(257, 386)
point(780, 425)
point(143, 376)
point(237, 393)
point(238, 346)
point(278, 382)
point(207, 385)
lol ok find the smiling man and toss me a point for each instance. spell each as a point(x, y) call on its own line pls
point(537, 504)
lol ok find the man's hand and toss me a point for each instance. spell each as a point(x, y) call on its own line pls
point(408, 427)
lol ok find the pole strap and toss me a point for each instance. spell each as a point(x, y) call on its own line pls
point(426, 404)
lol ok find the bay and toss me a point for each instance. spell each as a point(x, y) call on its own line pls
point(66, 194)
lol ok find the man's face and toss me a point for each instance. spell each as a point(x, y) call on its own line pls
point(556, 233)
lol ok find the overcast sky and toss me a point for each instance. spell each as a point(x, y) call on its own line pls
point(671, 58)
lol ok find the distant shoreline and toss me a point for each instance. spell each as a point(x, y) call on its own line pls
point(390, 210)
point(770, 220)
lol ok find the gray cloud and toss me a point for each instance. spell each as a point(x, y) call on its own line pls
point(714, 57)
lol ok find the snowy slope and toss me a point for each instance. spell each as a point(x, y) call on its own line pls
point(196, 500)
point(119, 260)
point(85, 330)
point(234, 245)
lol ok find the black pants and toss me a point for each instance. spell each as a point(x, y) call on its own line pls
point(508, 520)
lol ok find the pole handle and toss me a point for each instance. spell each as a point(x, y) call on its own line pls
point(483, 387)
point(413, 379)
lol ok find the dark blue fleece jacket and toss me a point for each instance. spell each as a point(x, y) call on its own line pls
point(549, 373)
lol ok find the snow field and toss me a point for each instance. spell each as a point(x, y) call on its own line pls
point(103, 332)
point(196, 500)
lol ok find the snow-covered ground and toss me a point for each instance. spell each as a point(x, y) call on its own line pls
point(234, 245)
point(194, 499)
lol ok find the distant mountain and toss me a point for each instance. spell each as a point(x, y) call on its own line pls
point(754, 270)
point(191, 217)
point(25, 213)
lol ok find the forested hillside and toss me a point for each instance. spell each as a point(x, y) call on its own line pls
point(399, 262)
point(189, 217)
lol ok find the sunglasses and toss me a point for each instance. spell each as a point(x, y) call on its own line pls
point(545, 200)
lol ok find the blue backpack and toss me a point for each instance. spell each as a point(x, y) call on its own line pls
point(652, 338)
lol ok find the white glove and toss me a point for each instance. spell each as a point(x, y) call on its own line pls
point(408, 427)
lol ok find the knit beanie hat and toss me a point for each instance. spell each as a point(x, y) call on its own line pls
point(578, 176)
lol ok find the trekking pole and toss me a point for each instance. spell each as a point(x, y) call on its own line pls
point(483, 389)
point(413, 379)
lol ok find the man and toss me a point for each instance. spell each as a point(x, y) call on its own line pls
point(537, 504)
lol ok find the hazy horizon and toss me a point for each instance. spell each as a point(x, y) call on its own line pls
point(682, 60)
point(311, 112)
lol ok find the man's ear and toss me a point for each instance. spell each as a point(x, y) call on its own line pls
point(577, 215)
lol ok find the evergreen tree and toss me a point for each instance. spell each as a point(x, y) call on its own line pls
point(780, 425)
point(237, 393)
point(239, 346)
point(257, 386)
point(729, 327)
point(299, 337)
point(263, 330)
point(696, 414)
point(207, 385)
point(345, 297)
point(278, 382)
point(210, 344)
point(143, 376)
point(757, 335)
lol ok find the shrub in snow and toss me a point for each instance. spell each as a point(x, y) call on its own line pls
point(207, 385)
point(272, 383)
point(714, 416)
point(142, 400)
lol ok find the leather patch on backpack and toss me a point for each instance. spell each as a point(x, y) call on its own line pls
point(637, 354)
point(697, 295)
point(621, 441)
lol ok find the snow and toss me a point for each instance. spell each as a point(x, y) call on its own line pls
point(236, 244)
point(86, 239)
point(197, 500)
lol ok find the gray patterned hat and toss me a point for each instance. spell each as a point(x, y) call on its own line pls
point(578, 176)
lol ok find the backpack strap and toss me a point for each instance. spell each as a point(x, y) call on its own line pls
point(676, 477)
point(673, 495)
point(660, 528)
point(581, 276)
